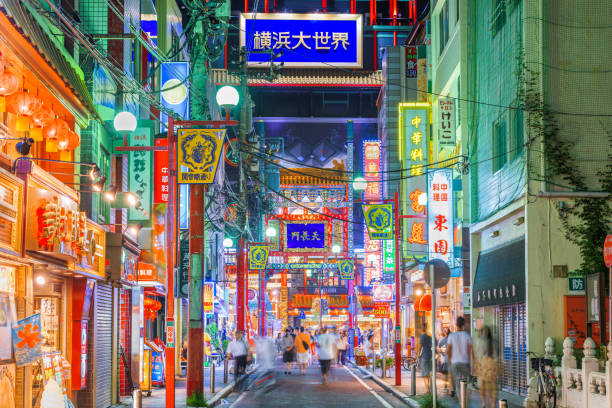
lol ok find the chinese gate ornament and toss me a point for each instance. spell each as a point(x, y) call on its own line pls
point(379, 219)
point(346, 269)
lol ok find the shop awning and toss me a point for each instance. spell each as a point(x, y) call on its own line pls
point(500, 276)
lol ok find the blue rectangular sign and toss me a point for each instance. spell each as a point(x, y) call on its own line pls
point(305, 236)
point(175, 94)
point(303, 40)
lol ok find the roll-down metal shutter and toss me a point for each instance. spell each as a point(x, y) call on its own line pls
point(102, 337)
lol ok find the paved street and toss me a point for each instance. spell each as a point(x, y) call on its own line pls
point(345, 388)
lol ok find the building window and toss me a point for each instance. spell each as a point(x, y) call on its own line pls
point(500, 142)
point(457, 8)
point(498, 17)
point(517, 138)
point(443, 26)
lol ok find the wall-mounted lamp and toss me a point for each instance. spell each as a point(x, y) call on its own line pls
point(494, 234)
point(518, 221)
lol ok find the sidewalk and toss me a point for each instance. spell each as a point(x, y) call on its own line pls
point(474, 400)
point(158, 395)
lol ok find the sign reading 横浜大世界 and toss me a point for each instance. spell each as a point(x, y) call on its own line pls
point(303, 40)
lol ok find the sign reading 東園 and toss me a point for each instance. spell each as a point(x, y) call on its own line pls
point(198, 154)
point(306, 235)
point(303, 40)
point(440, 215)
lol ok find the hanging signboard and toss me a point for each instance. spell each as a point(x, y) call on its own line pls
point(346, 269)
point(306, 235)
point(382, 293)
point(161, 173)
point(446, 122)
point(382, 310)
point(388, 256)
point(379, 220)
point(371, 164)
point(175, 93)
point(411, 62)
point(182, 282)
point(27, 340)
point(440, 215)
point(303, 40)
point(198, 154)
point(139, 181)
point(258, 256)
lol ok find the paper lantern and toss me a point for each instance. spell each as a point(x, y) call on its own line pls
point(74, 140)
point(424, 304)
point(9, 84)
point(42, 117)
point(22, 104)
point(56, 128)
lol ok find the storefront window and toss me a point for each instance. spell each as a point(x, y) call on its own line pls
point(50, 313)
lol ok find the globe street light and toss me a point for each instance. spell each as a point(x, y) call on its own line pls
point(360, 184)
point(227, 97)
point(228, 243)
point(336, 249)
point(270, 232)
point(125, 122)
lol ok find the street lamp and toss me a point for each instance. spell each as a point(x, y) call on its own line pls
point(309, 272)
point(360, 184)
point(335, 249)
point(227, 97)
point(125, 122)
point(270, 232)
point(228, 243)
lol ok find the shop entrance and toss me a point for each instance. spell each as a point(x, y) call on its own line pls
point(512, 324)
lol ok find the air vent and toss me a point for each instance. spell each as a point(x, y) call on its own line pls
point(560, 271)
point(57, 287)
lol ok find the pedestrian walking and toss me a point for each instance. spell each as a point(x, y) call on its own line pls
point(277, 343)
point(302, 346)
point(487, 367)
point(424, 357)
point(342, 346)
point(238, 349)
point(459, 351)
point(288, 345)
point(326, 342)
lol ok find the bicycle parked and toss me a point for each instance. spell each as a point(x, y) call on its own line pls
point(547, 384)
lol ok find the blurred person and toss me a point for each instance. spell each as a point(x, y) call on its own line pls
point(302, 347)
point(424, 357)
point(487, 367)
point(459, 351)
point(238, 349)
point(288, 346)
point(327, 351)
point(342, 348)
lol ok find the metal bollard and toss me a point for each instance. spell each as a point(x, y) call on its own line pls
point(225, 371)
point(503, 403)
point(384, 366)
point(137, 398)
point(212, 377)
point(463, 394)
point(413, 380)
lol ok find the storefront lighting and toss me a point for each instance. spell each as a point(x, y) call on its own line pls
point(418, 292)
point(111, 194)
point(360, 184)
point(228, 243)
point(132, 199)
point(134, 230)
point(40, 280)
point(331, 273)
point(125, 122)
point(336, 249)
point(95, 172)
point(99, 185)
point(270, 232)
point(308, 272)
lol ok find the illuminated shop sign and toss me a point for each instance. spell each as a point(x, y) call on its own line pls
point(382, 293)
point(380, 215)
point(306, 235)
point(303, 40)
point(440, 214)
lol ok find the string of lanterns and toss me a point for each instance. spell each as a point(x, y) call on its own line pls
point(34, 117)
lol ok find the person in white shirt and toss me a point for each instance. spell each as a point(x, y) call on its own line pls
point(459, 352)
point(238, 349)
point(327, 351)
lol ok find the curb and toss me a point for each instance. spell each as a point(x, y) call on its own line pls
point(398, 394)
point(225, 391)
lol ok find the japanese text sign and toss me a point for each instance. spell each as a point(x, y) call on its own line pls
point(379, 220)
point(382, 293)
point(346, 269)
point(382, 310)
point(161, 173)
point(140, 174)
point(305, 235)
point(389, 256)
point(258, 256)
point(27, 340)
point(371, 167)
point(303, 40)
point(446, 122)
point(198, 154)
point(440, 215)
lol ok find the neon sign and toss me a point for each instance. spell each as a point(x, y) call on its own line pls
point(440, 215)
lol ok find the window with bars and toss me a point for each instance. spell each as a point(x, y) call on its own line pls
point(443, 27)
point(500, 143)
point(517, 138)
point(512, 324)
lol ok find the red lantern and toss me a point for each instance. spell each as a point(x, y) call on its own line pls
point(22, 104)
point(425, 303)
point(74, 140)
point(55, 129)
point(42, 117)
point(9, 83)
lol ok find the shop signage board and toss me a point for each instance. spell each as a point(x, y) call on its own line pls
point(411, 62)
point(446, 122)
point(7, 319)
point(414, 124)
point(175, 93)
point(308, 235)
point(346, 269)
point(382, 293)
point(160, 195)
point(182, 283)
point(379, 220)
point(303, 40)
point(198, 155)
point(607, 251)
point(440, 215)
point(208, 297)
point(388, 257)
point(258, 256)
point(146, 272)
point(170, 334)
point(382, 310)
point(27, 340)
point(593, 291)
point(294, 266)
point(141, 166)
